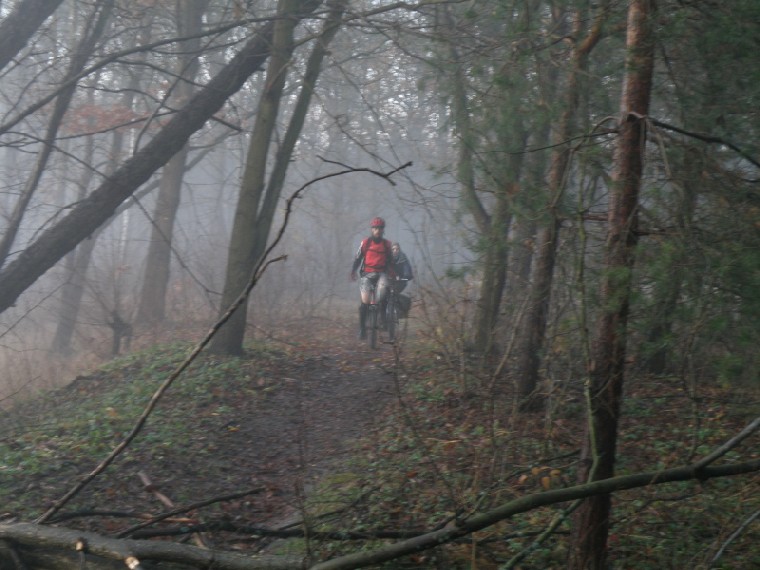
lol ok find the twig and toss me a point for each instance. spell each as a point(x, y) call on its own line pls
point(729, 445)
point(152, 488)
point(733, 537)
point(177, 511)
point(707, 139)
point(520, 556)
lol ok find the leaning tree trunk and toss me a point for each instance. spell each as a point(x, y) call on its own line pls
point(605, 385)
point(82, 53)
point(20, 25)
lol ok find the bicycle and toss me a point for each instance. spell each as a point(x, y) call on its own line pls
point(392, 311)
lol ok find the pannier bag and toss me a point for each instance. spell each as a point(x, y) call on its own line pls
point(404, 304)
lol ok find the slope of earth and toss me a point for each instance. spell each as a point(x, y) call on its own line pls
point(270, 423)
point(313, 425)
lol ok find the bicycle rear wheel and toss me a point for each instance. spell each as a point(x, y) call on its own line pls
point(391, 318)
point(372, 324)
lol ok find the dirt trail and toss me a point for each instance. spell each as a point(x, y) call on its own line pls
point(326, 401)
point(322, 401)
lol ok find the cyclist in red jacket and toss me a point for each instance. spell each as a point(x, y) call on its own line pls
point(373, 261)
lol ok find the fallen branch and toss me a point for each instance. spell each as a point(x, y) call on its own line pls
point(24, 536)
point(169, 516)
point(461, 528)
point(150, 487)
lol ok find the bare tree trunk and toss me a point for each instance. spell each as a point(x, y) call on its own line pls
point(78, 260)
point(229, 339)
point(255, 213)
point(537, 311)
point(62, 102)
point(494, 277)
point(152, 306)
point(608, 352)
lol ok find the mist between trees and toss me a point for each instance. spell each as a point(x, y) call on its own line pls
point(582, 200)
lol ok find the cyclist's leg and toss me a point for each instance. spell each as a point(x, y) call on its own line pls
point(366, 285)
point(363, 320)
point(382, 296)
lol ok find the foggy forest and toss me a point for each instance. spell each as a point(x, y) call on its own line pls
point(184, 185)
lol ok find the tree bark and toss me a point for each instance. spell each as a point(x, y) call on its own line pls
point(605, 384)
point(19, 26)
point(99, 206)
point(537, 311)
point(241, 258)
point(82, 53)
point(253, 220)
point(152, 306)
point(48, 548)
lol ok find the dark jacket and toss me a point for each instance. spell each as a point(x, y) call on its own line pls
point(402, 267)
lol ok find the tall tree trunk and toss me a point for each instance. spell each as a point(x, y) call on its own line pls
point(152, 308)
point(494, 274)
point(494, 226)
point(529, 351)
point(78, 261)
point(606, 374)
point(258, 199)
point(75, 267)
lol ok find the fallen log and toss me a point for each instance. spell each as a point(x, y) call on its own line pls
point(27, 546)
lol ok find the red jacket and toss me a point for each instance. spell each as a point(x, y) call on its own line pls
point(374, 257)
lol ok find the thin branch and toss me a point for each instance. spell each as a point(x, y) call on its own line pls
point(734, 535)
point(191, 507)
point(527, 503)
point(751, 428)
point(706, 138)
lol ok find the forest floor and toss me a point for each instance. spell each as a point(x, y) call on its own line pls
point(273, 422)
point(312, 414)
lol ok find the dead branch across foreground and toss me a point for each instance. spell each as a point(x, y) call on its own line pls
point(27, 546)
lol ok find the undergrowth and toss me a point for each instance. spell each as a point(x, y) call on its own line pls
point(447, 453)
point(447, 449)
point(54, 439)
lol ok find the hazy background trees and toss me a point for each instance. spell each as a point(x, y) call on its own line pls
point(132, 134)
